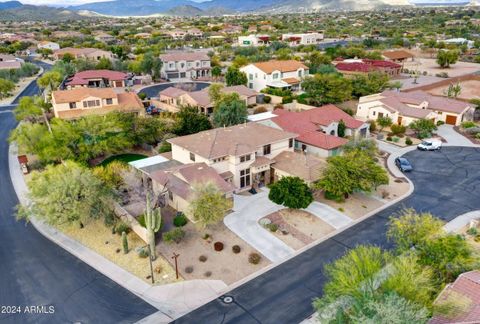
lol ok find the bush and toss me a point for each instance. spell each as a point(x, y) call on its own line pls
point(477, 238)
point(389, 138)
point(189, 269)
point(472, 130)
point(472, 231)
point(330, 196)
point(442, 75)
point(272, 227)
point(208, 274)
point(142, 252)
point(218, 246)
point(254, 258)
point(287, 99)
point(180, 220)
point(468, 124)
point(122, 227)
point(267, 99)
point(440, 123)
point(260, 110)
point(408, 141)
point(373, 125)
point(395, 139)
point(202, 258)
point(398, 129)
point(176, 235)
point(236, 249)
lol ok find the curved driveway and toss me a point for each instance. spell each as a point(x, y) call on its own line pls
point(36, 272)
point(446, 183)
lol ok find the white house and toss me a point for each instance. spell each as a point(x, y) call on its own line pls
point(275, 74)
point(185, 65)
point(48, 45)
point(312, 38)
point(253, 40)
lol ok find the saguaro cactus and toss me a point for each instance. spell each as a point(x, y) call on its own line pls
point(153, 221)
point(124, 243)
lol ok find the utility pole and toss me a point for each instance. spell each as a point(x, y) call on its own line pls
point(175, 257)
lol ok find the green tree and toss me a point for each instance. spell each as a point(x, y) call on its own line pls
point(364, 85)
point(190, 121)
point(6, 86)
point(66, 193)
point(445, 58)
point(30, 108)
point(384, 121)
point(423, 127)
point(341, 128)
point(67, 58)
point(216, 71)
point(291, 192)
point(50, 80)
point(104, 64)
point(208, 205)
point(368, 146)
point(326, 88)
point(229, 110)
point(353, 171)
point(315, 60)
point(411, 229)
point(235, 77)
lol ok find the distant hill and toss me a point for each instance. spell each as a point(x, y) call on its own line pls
point(185, 10)
point(10, 5)
point(30, 13)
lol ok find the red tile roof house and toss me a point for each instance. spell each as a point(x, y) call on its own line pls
point(97, 79)
point(178, 183)
point(317, 128)
point(465, 295)
point(365, 66)
point(405, 107)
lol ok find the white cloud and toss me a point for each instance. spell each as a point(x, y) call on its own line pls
point(58, 2)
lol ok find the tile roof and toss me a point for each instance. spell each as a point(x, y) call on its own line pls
point(240, 89)
point(180, 179)
point(467, 285)
point(10, 65)
point(234, 140)
point(172, 92)
point(291, 80)
point(282, 66)
point(81, 78)
point(392, 104)
point(78, 94)
point(305, 166)
point(78, 51)
point(397, 54)
point(202, 98)
point(185, 56)
point(354, 67)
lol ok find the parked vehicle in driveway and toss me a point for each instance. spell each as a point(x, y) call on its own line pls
point(430, 145)
point(403, 164)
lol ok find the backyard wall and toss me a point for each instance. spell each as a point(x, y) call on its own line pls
point(131, 221)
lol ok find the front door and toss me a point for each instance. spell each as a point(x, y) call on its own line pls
point(451, 120)
point(399, 121)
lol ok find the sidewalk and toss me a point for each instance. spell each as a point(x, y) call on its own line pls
point(173, 300)
point(452, 137)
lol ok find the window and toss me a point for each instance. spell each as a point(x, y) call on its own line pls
point(170, 195)
point(192, 157)
point(267, 149)
point(275, 76)
point(373, 113)
point(250, 76)
point(300, 73)
point(182, 65)
point(91, 103)
point(244, 178)
point(250, 85)
point(290, 142)
point(198, 64)
point(109, 101)
point(245, 158)
point(72, 105)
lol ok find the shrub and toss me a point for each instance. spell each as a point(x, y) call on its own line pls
point(206, 236)
point(142, 252)
point(158, 269)
point(218, 246)
point(408, 141)
point(202, 258)
point(189, 269)
point(472, 130)
point(477, 238)
point(176, 235)
point(260, 110)
point(373, 125)
point(468, 124)
point(180, 220)
point(389, 138)
point(122, 227)
point(398, 129)
point(330, 196)
point(442, 75)
point(267, 99)
point(287, 99)
point(236, 249)
point(207, 274)
point(472, 231)
point(254, 258)
point(272, 227)
point(440, 123)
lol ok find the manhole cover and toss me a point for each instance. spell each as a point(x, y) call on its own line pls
point(227, 299)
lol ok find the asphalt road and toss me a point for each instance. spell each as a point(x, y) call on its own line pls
point(446, 184)
point(36, 272)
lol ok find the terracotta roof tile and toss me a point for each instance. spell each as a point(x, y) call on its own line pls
point(282, 66)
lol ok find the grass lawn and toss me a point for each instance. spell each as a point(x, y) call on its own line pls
point(128, 157)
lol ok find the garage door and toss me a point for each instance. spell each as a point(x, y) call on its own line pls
point(451, 120)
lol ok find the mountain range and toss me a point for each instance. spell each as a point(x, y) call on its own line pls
point(15, 10)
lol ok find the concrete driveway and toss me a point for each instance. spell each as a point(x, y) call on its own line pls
point(452, 137)
point(248, 210)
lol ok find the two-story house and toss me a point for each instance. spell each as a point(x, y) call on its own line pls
point(241, 154)
point(253, 40)
point(97, 79)
point(405, 107)
point(275, 74)
point(185, 65)
point(79, 102)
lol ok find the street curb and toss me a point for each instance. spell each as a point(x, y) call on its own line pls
point(26, 86)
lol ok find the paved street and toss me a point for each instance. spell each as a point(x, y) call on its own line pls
point(36, 272)
point(446, 184)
